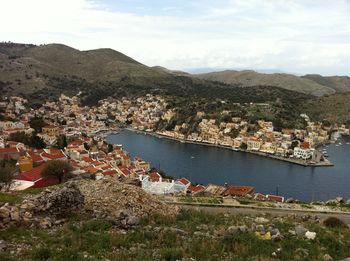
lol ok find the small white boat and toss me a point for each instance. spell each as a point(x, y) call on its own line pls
point(192, 157)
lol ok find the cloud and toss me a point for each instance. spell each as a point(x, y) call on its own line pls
point(300, 36)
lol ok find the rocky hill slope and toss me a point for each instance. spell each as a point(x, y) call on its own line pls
point(318, 87)
point(109, 220)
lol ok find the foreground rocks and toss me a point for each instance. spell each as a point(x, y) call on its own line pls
point(123, 203)
point(106, 198)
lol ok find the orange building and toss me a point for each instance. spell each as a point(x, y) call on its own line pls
point(25, 163)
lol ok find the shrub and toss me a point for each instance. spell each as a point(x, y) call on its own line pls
point(334, 222)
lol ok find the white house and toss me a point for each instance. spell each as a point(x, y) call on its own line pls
point(303, 151)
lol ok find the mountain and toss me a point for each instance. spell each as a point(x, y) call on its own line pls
point(338, 83)
point(333, 108)
point(42, 72)
point(283, 80)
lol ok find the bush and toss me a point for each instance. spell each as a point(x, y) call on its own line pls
point(334, 222)
point(171, 254)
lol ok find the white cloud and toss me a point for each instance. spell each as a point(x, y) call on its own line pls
point(301, 36)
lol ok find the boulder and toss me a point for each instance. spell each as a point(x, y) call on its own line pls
point(300, 231)
point(233, 230)
point(310, 235)
point(15, 216)
point(4, 212)
point(261, 220)
point(327, 257)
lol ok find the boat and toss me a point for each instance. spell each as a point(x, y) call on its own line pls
point(348, 143)
point(235, 149)
point(192, 157)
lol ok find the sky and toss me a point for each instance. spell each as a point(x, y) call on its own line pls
point(295, 36)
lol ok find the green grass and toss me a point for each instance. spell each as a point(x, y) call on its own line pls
point(10, 198)
point(158, 238)
point(202, 200)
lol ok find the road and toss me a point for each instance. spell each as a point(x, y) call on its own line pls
point(245, 210)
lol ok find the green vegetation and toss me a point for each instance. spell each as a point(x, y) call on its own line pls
point(335, 223)
point(56, 168)
point(202, 200)
point(190, 234)
point(7, 171)
point(31, 140)
point(10, 198)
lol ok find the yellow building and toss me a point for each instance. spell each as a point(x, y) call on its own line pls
point(51, 130)
point(25, 163)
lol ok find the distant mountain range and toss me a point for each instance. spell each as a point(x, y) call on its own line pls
point(43, 72)
point(316, 85)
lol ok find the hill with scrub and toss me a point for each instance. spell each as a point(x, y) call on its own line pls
point(41, 73)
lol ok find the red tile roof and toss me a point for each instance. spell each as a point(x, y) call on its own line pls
point(36, 158)
point(184, 181)
point(196, 189)
point(260, 196)
point(8, 150)
point(155, 176)
point(275, 198)
point(238, 191)
point(31, 175)
point(110, 172)
point(305, 145)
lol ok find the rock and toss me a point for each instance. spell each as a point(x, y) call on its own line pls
point(261, 220)
point(310, 235)
point(3, 245)
point(233, 230)
point(15, 214)
point(300, 231)
point(177, 231)
point(346, 259)
point(45, 223)
point(277, 253)
point(201, 234)
point(277, 237)
point(327, 257)
point(243, 229)
point(132, 220)
point(4, 212)
point(292, 232)
point(260, 228)
point(302, 252)
point(202, 227)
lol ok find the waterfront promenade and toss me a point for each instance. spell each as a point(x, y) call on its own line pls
point(325, 163)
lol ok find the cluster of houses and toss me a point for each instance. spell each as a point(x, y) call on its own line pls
point(88, 153)
point(237, 134)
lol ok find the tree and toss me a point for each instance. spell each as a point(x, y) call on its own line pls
point(7, 172)
point(62, 141)
point(110, 148)
point(56, 168)
point(37, 124)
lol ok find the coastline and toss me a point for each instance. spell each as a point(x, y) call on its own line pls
point(326, 163)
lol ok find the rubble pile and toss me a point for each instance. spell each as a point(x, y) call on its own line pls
point(44, 210)
point(59, 201)
point(123, 203)
point(106, 198)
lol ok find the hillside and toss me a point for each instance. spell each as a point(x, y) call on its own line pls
point(338, 83)
point(73, 221)
point(42, 72)
point(334, 108)
point(286, 81)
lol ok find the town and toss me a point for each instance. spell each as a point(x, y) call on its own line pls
point(63, 130)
